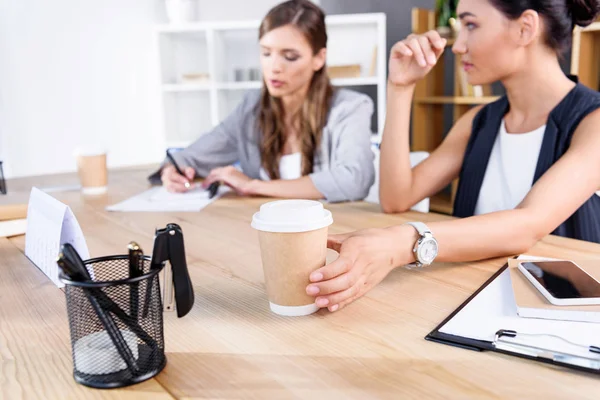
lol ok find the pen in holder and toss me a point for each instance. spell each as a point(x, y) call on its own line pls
point(115, 318)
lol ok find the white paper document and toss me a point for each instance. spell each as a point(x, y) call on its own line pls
point(158, 199)
point(494, 308)
point(51, 224)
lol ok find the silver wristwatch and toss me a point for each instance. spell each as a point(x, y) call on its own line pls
point(426, 247)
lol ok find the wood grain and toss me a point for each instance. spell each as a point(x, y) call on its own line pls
point(13, 211)
point(231, 346)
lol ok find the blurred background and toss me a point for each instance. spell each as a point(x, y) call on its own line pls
point(137, 76)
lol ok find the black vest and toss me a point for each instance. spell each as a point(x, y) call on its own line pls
point(584, 224)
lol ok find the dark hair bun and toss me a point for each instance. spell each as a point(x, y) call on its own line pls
point(584, 12)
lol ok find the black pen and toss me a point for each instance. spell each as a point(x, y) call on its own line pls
point(136, 268)
point(179, 171)
point(213, 189)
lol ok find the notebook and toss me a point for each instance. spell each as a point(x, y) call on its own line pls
point(532, 304)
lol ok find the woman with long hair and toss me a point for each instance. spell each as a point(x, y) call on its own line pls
point(298, 137)
point(528, 164)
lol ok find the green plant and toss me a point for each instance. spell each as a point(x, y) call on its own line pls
point(445, 9)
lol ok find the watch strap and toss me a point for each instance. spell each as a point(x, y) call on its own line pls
point(420, 227)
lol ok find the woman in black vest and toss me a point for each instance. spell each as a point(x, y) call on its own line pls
point(508, 202)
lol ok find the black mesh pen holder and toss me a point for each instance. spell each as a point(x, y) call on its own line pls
point(116, 323)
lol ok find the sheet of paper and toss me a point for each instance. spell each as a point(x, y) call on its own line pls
point(50, 224)
point(158, 199)
point(494, 308)
point(72, 233)
point(14, 227)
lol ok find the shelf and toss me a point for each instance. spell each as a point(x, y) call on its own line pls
point(331, 21)
point(456, 100)
point(441, 203)
point(595, 27)
point(181, 28)
point(196, 87)
point(186, 87)
point(218, 48)
point(369, 80)
point(336, 82)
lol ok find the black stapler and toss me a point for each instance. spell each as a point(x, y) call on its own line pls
point(168, 246)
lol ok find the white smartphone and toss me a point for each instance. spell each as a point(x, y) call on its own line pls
point(563, 283)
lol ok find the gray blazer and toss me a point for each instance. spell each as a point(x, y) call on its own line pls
point(343, 166)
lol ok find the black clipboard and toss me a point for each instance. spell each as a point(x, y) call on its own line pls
point(545, 355)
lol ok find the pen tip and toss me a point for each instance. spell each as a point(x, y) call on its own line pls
point(187, 185)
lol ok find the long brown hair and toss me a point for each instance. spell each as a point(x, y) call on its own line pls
point(310, 20)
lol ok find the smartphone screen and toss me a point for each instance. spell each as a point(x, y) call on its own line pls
point(563, 279)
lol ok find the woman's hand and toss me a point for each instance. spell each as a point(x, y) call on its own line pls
point(174, 182)
point(366, 257)
point(232, 177)
point(413, 58)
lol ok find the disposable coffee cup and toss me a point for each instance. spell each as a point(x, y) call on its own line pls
point(92, 171)
point(293, 244)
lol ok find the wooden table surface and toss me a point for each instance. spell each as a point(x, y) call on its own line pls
point(231, 346)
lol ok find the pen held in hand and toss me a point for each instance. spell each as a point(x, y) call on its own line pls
point(213, 189)
point(179, 171)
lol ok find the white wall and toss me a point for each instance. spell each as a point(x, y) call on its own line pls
point(75, 72)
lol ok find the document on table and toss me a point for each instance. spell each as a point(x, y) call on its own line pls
point(158, 199)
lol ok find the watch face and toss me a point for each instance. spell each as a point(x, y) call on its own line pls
point(428, 251)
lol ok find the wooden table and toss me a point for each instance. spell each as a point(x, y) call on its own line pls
point(231, 346)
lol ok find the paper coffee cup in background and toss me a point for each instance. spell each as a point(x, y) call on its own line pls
point(92, 171)
point(293, 244)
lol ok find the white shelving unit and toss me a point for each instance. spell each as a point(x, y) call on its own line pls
point(220, 49)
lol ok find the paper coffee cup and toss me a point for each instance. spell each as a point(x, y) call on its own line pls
point(92, 170)
point(293, 243)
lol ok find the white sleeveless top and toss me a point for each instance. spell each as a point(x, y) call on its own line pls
point(509, 174)
point(290, 167)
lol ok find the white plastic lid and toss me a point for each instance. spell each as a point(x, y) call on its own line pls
point(291, 216)
point(89, 151)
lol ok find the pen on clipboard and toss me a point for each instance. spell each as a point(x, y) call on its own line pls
point(513, 334)
point(179, 171)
